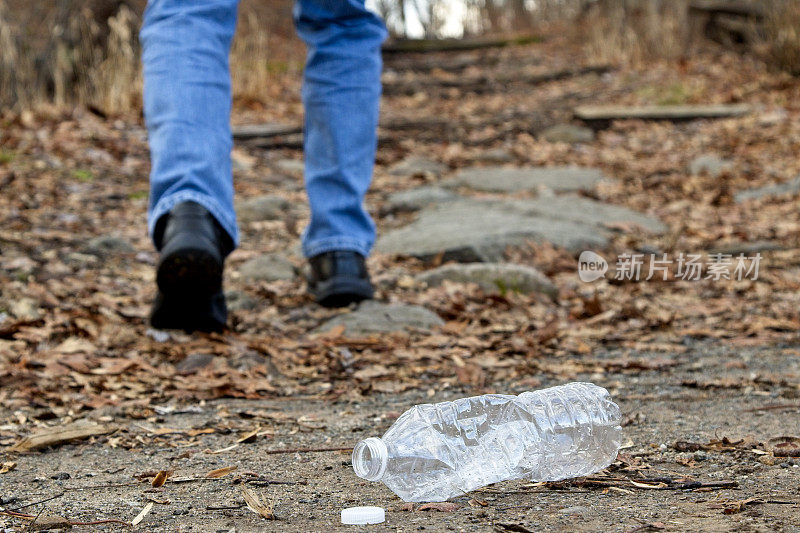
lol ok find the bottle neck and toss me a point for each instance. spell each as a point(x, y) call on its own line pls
point(370, 457)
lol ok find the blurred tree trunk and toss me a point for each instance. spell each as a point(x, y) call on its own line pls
point(494, 15)
point(521, 17)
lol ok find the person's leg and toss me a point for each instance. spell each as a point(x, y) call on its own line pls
point(341, 93)
point(187, 104)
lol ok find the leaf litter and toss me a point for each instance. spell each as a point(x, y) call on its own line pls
point(80, 346)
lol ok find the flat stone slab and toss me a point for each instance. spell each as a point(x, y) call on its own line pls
point(588, 211)
point(494, 155)
point(108, 245)
point(291, 166)
point(502, 179)
point(416, 199)
point(417, 165)
point(471, 230)
point(790, 187)
point(268, 267)
point(240, 301)
point(373, 317)
point(267, 207)
point(754, 247)
point(568, 133)
point(710, 164)
point(492, 277)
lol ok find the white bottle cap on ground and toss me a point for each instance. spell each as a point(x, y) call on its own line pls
point(363, 515)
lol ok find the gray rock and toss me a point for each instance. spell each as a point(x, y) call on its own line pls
point(107, 245)
point(568, 133)
point(376, 317)
point(291, 166)
point(790, 187)
point(501, 179)
point(267, 267)
point(587, 211)
point(194, 362)
point(495, 156)
point(158, 335)
point(416, 199)
point(493, 277)
point(470, 230)
point(81, 260)
point(577, 510)
point(736, 248)
point(479, 231)
point(709, 164)
point(247, 361)
point(267, 207)
point(240, 301)
point(417, 165)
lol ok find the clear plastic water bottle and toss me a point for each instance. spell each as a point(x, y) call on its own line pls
point(436, 451)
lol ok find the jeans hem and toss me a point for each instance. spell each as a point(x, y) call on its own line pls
point(166, 204)
point(335, 244)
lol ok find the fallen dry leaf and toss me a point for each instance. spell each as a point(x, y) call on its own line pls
point(250, 436)
point(48, 522)
point(255, 504)
point(221, 472)
point(60, 434)
point(145, 511)
point(741, 505)
point(647, 486)
point(445, 507)
point(7, 467)
point(161, 478)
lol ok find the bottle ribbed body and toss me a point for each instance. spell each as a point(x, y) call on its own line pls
point(436, 451)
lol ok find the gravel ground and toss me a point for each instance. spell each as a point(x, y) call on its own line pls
point(709, 394)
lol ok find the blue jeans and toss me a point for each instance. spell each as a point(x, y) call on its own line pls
point(187, 104)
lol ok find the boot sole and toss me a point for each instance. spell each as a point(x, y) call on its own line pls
point(190, 292)
point(189, 273)
point(208, 314)
point(342, 292)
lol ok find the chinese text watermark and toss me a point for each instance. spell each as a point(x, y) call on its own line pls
point(663, 267)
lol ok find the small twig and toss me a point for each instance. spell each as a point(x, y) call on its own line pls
point(309, 450)
point(794, 452)
point(263, 481)
point(773, 406)
point(34, 518)
point(35, 503)
point(106, 486)
point(224, 507)
point(98, 522)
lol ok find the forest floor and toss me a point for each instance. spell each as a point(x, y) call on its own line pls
point(707, 372)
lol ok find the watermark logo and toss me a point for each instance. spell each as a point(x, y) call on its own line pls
point(591, 266)
point(683, 267)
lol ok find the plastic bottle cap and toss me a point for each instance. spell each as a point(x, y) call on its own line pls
point(363, 515)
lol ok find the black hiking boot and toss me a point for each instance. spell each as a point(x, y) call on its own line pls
point(193, 248)
point(339, 278)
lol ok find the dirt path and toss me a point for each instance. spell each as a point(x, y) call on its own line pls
point(689, 361)
point(661, 408)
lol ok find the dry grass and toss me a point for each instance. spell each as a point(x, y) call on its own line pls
point(17, 83)
point(261, 58)
point(635, 32)
point(783, 35)
point(86, 62)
